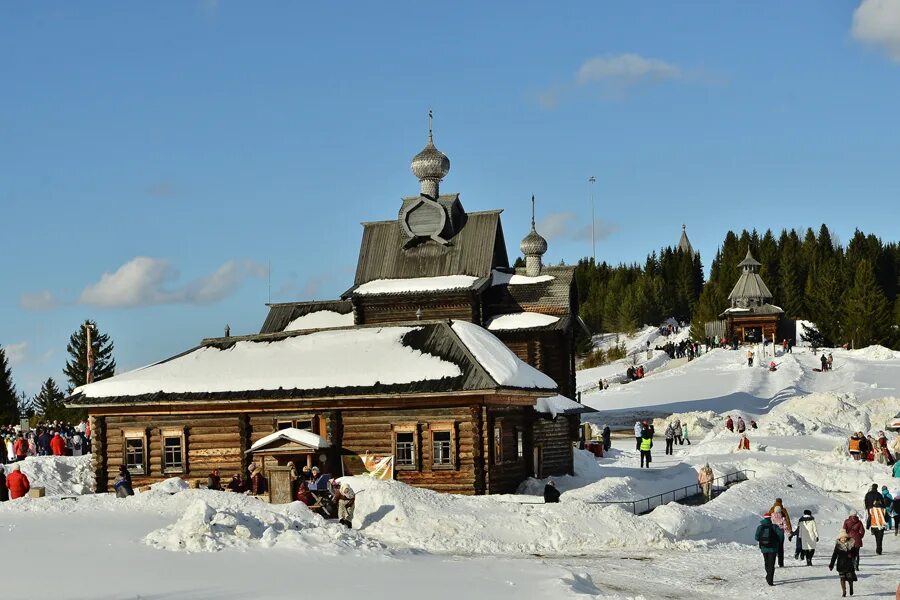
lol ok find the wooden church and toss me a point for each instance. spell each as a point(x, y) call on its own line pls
point(440, 360)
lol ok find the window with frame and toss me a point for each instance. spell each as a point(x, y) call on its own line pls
point(173, 451)
point(520, 443)
point(498, 444)
point(442, 448)
point(405, 447)
point(135, 452)
point(304, 423)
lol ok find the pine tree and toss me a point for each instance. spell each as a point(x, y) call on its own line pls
point(867, 318)
point(26, 408)
point(76, 367)
point(48, 403)
point(9, 403)
point(789, 284)
point(823, 298)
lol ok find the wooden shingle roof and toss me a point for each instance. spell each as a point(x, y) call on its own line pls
point(281, 314)
point(554, 297)
point(475, 250)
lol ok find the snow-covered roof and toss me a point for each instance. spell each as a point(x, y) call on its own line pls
point(559, 405)
point(505, 368)
point(522, 320)
point(320, 319)
point(501, 278)
point(324, 359)
point(292, 434)
point(412, 358)
point(416, 284)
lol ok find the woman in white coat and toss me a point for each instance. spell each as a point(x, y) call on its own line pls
point(809, 535)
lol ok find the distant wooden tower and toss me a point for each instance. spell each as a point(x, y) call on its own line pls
point(750, 317)
point(684, 244)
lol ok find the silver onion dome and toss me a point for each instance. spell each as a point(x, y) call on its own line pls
point(533, 244)
point(430, 163)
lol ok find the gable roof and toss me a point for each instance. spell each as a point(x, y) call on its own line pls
point(292, 435)
point(551, 293)
point(476, 248)
point(404, 358)
point(281, 315)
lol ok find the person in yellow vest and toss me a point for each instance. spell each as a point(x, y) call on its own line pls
point(876, 523)
point(646, 445)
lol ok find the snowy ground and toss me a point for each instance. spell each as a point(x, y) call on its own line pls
point(409, 542)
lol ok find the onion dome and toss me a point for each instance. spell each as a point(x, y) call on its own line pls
point(533, 244)
point(430, 163)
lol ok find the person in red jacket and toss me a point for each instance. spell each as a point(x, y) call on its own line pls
point(20, 447)
point(17, 483)
point(58, 445)
point(856, 530)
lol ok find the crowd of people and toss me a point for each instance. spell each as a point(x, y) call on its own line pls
point(683, 349)
point(882, 511)
point(676, 433)
point(51, 438)
point(869, 448)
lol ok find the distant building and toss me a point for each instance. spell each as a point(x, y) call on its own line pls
point(684, 244)
point(751, 317)
point(440, 359)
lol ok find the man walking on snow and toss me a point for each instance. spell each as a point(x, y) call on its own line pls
point(770, 538)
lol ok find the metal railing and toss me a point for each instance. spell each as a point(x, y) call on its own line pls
point(645, 505)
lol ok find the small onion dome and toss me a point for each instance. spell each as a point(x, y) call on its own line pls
point(533, 244)
point(430, 163)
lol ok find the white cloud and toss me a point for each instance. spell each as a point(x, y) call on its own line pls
point(16, 353)
point(877, 23)
point(145, 281)
point(626, 68)
point(567, 225)
point(615, 75)
point(38, 301)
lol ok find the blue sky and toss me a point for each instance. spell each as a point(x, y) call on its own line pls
point(155, 158)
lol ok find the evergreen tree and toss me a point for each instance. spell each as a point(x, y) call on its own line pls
point(823, 297)
point(48, 403)
point(76, 367)
point(26, 409)
point(789, 284)
point(866, 313)
point(9, 403)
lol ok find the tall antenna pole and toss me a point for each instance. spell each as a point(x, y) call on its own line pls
point(270, 282)
point(89, 354)
point(592, 180)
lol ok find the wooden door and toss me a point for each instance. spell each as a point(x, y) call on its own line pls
point(279, 485)
point(538, 461)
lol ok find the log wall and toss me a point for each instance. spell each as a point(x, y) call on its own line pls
point(403, 308)
point(503, 477)
point(555, 437)
point(372, 431)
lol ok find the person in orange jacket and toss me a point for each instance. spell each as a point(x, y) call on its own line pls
point(17, 483)
point(58, 445)
point(20, 447)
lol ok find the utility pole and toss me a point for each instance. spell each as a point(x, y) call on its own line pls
point(592, 180)
point(89, 354)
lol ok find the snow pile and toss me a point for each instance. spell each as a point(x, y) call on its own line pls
point(830, 414)
point(875, 352)
point(172, 485)
point(226, 521)
point(377, 355)
point(58, 475)
point(320, 319)
point(501, 364)
point(522, 320)
point(398, 514)
point(587, 471)
point(416, 284)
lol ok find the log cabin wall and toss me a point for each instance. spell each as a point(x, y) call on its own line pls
point(396, 309)
point(504, 455)
point(210, 442)
point(98, 453)
point(552, 353)
point(555, 438)
point(320, 423)
point(373, 431)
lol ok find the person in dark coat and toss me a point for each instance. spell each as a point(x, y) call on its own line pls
point(842, 557)
point(122, 484)
point(871, 496)
point(551, 494)
point(237, 484)
point(43, 443)
point(856, 530)
point(607, 439)
point(4, 493)
point(770, 539)
point(214, 481)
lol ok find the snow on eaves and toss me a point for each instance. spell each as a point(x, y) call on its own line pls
point(502, 365)
point(320, 319)
point(522, 320)
point(416, 284)
point(292, 434)
point(324, 359)
point(500, 278)
point(556, 405)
